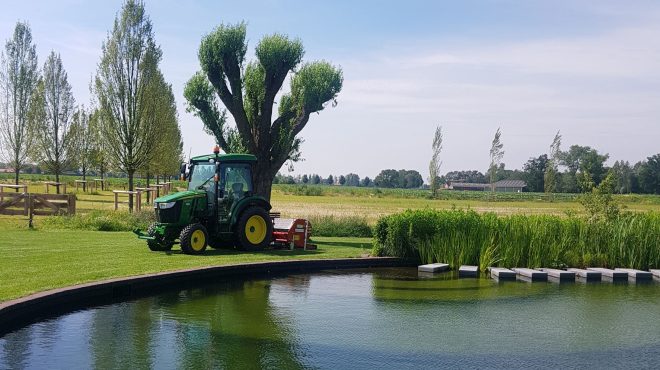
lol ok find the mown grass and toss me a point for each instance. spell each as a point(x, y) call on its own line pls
point(37, 260)
point(460, 237)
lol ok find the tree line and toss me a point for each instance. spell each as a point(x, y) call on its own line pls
point(558, 171)
point(131, 124)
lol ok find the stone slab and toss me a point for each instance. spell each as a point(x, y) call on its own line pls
point(655, 273)
point(502, 273)
point(610, 274)
point(531, 274)
point(560, 275)
point(587, 275)
point(433, 267)
point(638, 275)
point(468, 271)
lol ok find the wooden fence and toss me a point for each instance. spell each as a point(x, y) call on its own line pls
point(26, 204)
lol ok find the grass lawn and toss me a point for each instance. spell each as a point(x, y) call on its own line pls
point(34, 261)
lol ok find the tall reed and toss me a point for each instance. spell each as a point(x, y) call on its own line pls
point(465, 237)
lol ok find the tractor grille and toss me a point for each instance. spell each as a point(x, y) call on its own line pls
point(170, 215)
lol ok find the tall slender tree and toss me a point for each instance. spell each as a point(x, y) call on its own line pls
point(249, 91)
point(125, 86)
point(84, 135)
point(51, 117)
point(552, 165)
point(434, 165)
point(19, 77)
point(496, 155)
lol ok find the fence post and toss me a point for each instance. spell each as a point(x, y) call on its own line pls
point(72, 205)
point(30, 209)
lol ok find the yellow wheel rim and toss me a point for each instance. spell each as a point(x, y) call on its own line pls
point(255, 229)
point(197, 240)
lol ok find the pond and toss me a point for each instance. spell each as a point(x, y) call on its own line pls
point(340, 319)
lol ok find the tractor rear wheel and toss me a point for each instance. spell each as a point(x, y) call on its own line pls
point(157, 245)
point(254, 230)
point(194, 239)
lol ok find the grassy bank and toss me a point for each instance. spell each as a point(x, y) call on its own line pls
point(37, 260)
point(460, 237)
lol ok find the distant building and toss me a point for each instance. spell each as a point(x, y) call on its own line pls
point(508, 186)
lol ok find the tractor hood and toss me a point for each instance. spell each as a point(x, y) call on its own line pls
point(180, 196)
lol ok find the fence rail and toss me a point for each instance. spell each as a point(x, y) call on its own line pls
point(27, 204)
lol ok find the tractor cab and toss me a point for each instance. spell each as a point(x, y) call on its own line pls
point(219, 208)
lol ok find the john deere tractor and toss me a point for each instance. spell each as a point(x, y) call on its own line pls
point(219, 209)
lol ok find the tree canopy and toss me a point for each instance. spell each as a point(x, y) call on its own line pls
point(249, 90)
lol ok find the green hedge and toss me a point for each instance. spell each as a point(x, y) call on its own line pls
point(466, 237)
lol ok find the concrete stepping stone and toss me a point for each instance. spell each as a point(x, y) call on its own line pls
point(433, 267)
point(468, 271)
point(655, 273)
point(637, 275)
point(502, 273)
point(531, 274)
point(609, 274)
point(586, 274)
point(560, 275)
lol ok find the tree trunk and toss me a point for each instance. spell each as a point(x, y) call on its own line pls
point(57, 180)
point(148, 177)
point(130, 188)
point(263, 180)
point(16, 171)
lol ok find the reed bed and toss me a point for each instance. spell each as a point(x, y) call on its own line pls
point(462, 237)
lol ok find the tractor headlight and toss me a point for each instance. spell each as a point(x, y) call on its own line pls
point(166, 205)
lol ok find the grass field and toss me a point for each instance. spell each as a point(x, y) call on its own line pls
point(37, 260)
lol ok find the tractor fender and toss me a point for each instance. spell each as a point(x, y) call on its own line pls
point(243, 204)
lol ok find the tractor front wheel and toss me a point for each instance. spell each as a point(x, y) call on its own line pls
point(254, 230)
point(158, 244)
point(194, 239)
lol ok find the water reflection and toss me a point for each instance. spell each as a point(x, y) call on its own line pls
point(383, 318)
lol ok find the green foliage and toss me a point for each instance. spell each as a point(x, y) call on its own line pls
point(496, 155)
point(598, 200)
point(225, 43)
point(102, 221)
point(353, 226)
point(466, 237)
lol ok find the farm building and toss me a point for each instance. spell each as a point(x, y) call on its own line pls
point(510, 186)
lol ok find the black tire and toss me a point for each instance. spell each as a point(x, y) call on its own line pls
point(158, 245)
point(190, 239)
point(249, 229)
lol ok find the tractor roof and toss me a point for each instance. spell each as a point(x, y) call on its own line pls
point(232, 157)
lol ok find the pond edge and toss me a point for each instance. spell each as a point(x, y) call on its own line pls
point(20, 312)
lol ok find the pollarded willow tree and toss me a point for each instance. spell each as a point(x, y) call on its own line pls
point(19, 77)
point(51, 117)
point(249, 91)
point(126, 84)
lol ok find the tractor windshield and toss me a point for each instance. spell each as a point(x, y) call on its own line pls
point(201, 173)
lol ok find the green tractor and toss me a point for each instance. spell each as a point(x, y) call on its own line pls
point(219, 209)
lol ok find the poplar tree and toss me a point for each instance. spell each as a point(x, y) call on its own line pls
point(19, 77)
point(125, 85)
point(434, 165)
point(496, 155)
point(51, 117)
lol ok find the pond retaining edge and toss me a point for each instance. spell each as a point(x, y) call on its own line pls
point(17, 313)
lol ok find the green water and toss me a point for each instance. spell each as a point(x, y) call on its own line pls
point(379, 318)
